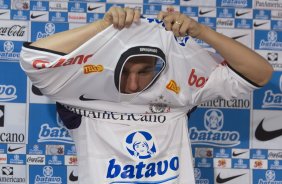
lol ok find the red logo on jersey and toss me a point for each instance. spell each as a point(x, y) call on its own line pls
point(80, 59)
point(196, 80)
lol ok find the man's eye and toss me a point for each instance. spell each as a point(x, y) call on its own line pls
point(148, 71)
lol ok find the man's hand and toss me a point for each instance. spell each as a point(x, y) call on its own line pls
point(181, 24)
point(121, 17)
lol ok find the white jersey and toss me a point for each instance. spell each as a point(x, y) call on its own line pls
point(140, 137)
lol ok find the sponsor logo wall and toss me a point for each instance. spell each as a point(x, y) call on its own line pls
point(237, 141)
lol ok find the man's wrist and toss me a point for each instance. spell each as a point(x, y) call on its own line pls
point(203, 31)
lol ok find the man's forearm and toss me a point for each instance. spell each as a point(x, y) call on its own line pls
point(241, 58)
point(68, 41)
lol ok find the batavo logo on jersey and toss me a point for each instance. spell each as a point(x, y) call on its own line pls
point(195, 80)
point(172, 85)
point(141, 145)
point(93, 68)
point(80, 59)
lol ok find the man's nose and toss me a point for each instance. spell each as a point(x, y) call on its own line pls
point(132, 83)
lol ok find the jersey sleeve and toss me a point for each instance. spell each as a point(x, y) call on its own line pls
point(226, 83)
point(48, 70)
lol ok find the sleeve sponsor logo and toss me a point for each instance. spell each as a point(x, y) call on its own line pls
point(93, 68)
point(80, 59)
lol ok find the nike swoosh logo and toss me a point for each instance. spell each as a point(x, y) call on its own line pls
point(36, 16)
point(240, 14)
point(263, 135)
point(93, 8)
point(237, 154)
point(205, 12)
point(36, 91)
point(72, 177)
point(13, 149)
point(3, 13)
point(82, 98)
point(224, 180)
point(237, 37)
point(257, 25)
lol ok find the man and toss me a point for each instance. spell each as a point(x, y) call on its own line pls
point(126, 93)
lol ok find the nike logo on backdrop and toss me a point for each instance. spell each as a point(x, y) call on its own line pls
point(82, 98)
point(93, 8)
point(237, 37)
point(72, 177)
point(263, 135)
point(36, 91)
point(36, 16)
point(14, 149)
point(224, 180)
point(3, 13)
point(237, 154)
point(240, 14)
point(205, 12)
point(257, 25)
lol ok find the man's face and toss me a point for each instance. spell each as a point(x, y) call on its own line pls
point(137, 74)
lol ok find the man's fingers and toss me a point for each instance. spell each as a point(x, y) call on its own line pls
point(114, 16)
point(121, 17)
point(129, 16)
point(184, 28)
point(168, 21)
point(162, 15)
point(137, 15)
point(176, 27)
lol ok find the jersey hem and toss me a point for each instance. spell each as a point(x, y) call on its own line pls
point(28, 45)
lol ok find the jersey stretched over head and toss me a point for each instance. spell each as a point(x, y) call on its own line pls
point(140, 137)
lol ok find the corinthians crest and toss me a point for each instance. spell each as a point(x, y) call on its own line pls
point(160, 105)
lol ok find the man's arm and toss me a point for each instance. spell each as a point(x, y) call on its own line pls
point(242, 59)
point(68, 41)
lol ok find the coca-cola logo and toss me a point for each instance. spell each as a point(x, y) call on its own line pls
point(15, 30)
point(275, 155)
point(35, 159)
